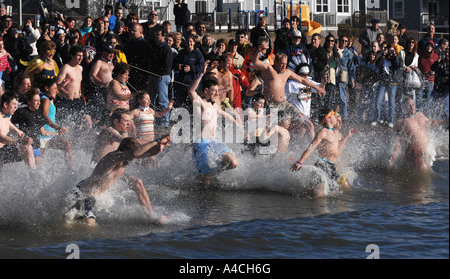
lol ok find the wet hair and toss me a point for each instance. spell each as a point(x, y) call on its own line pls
point(28, 96)
point(209, 81)
point(128, 144)
point(120, 69)
point(117, 114)
point(48, 82)
point(7, 97)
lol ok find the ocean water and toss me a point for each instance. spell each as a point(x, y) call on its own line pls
point(257, 211)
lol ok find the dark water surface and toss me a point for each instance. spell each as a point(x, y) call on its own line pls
point(256, 213)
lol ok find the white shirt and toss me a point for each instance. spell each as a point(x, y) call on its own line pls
point(299, 95)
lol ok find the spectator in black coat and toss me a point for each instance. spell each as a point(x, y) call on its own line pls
point(181, 12)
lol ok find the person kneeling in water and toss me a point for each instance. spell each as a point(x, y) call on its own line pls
point(106, 173)
point(329, 143)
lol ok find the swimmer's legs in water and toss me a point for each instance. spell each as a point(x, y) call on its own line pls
point(227, 161)
point(137, 186)
point(319, 190)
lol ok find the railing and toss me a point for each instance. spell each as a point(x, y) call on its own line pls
point(436, 19)
point(325, 19)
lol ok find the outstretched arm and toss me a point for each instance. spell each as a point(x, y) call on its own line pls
point(316, 141)
point(307, 82)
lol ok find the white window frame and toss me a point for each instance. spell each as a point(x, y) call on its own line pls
point(256, 5)
point(343, 5)
point(402, 12)
point(322, 5)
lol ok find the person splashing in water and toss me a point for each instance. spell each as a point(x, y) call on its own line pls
point(329, 143)
point(412, 135)
point(81, 201)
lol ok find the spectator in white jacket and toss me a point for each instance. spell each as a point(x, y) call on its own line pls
point(32, 34)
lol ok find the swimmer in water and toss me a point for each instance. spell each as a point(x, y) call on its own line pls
point(411, 132)
point(329, 143)
point(107, 172)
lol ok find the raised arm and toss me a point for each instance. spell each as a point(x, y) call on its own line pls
point(260, 65)
point(192, 89)
point(307, 82)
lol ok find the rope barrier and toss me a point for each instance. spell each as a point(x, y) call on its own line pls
point(148, 72)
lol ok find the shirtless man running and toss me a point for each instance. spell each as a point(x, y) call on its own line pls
point(207, 109)
point(274, 80)
point(109, 139)
point(110, 168)
point(412, 132)
point(329, 143)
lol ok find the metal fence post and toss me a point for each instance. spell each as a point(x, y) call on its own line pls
point(230, 20)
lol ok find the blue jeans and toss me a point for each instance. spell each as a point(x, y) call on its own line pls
point(426, 88)
point(343, 100)
point(392, 90)
point(158, 87)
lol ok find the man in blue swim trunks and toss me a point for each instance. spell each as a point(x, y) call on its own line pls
point(210, 155)
point(329, 143)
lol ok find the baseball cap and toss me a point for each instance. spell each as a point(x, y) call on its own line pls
point(108, 48)
point(296, 33)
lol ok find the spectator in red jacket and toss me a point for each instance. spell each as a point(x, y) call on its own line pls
point(426, 58)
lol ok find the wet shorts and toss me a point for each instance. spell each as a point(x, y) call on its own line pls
point(10, 154)
point(37, 152)
point(328, 167)
point(81, 204)
point(206, 155)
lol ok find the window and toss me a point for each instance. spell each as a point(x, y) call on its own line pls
point(399, 9)
point(322, 6)
point(257, 4)
point(200, 7)
point(343, 6)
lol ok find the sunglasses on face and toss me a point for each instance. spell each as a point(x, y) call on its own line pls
point(50, 51)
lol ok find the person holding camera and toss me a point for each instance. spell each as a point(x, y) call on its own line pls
point(388, 66)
